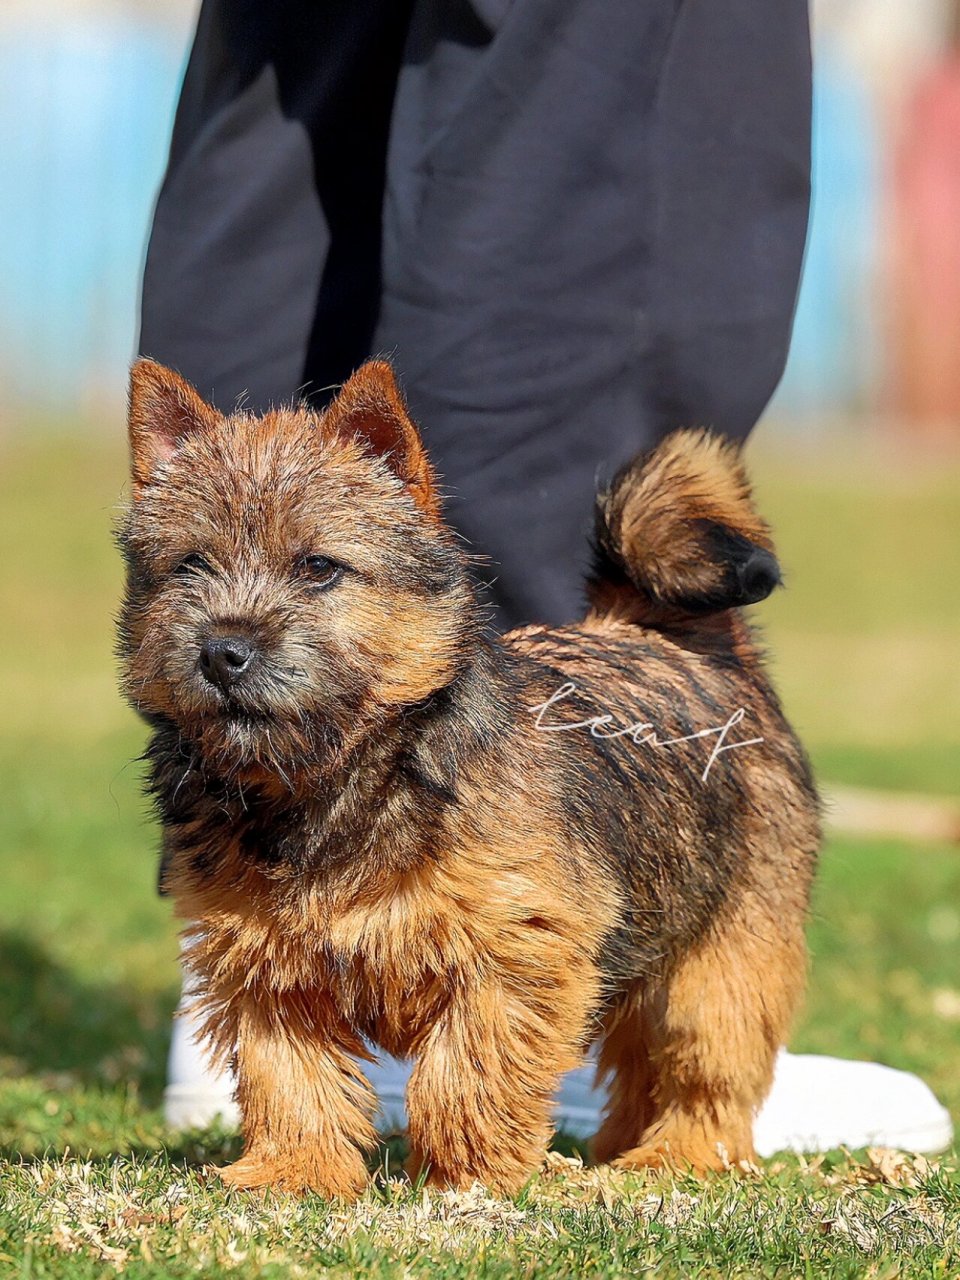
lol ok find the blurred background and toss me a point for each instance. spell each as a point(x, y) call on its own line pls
point(858, 465)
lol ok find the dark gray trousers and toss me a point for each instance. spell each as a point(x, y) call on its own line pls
point(573, 225)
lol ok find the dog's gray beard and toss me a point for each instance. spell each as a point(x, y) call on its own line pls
point(230, 747)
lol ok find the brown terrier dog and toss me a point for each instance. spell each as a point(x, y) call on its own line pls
point(387, 826)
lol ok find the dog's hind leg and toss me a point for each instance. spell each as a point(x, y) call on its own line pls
point(713, 1036)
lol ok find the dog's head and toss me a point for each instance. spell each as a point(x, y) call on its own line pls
point(290, 582)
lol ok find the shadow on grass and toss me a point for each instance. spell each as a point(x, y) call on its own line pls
point(53, 1023)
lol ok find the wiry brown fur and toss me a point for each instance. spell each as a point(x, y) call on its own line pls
point(399, 831)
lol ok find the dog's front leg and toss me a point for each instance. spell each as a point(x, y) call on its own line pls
point(481, 1094)
point(305, 1105)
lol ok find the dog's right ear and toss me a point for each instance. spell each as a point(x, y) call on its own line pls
point(370, 409)
point(164, 411)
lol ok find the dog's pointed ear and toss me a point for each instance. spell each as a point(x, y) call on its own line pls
point(164, 411)
point(371, 410)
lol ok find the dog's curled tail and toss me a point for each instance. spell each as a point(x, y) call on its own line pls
point(677, 536)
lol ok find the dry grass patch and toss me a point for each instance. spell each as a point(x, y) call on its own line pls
point(885, 1214)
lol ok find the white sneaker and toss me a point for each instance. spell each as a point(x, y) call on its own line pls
point(820, 1103)
point(815, 1104)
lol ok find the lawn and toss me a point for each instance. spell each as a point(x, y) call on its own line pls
point(864, 648)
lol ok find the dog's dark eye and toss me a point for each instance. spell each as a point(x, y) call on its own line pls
point(193, 563)
point(320, 571)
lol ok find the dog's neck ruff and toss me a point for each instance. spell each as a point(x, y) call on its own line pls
point(400, 776)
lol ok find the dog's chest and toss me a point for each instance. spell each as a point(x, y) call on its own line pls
point(393, 964)
point(388, 959)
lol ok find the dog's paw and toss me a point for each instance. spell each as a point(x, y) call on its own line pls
point(341, 1182)
point(247, 1173)
point(681, 1157)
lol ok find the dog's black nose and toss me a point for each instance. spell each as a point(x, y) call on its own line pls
point(224, 659)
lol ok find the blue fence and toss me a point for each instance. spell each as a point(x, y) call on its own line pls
point(85, 114)
point(834, 359)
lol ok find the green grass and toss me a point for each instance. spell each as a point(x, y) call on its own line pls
point(91, 1183)
point(864, 639)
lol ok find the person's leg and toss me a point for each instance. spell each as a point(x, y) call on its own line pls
point(593, 231)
